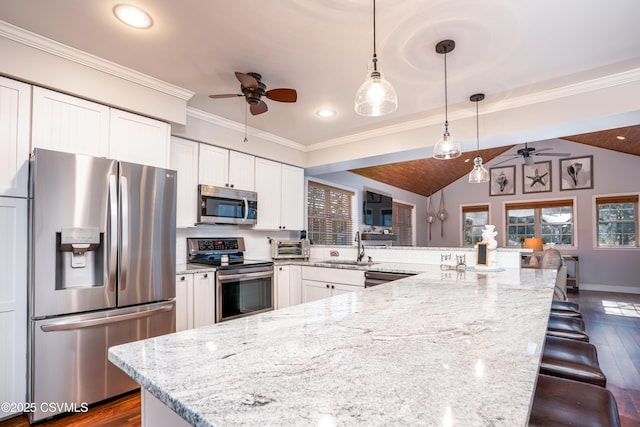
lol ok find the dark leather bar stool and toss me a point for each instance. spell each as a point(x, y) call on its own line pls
point(567, 327)
point(573, 360)
point(562, 402)
point(565, 308)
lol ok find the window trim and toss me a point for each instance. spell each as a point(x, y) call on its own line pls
point(594, 221)
point(537, 203)
point(461, 217)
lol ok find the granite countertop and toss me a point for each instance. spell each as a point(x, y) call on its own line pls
point(438, 348)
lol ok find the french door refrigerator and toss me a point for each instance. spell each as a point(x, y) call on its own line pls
point(101, 273)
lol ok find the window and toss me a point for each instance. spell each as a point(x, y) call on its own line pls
point(474, 218)
point(551, 220)
point(329, 215)
point(617, 221)
point(402, 224)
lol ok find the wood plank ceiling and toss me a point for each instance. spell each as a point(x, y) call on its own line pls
point(428, 176)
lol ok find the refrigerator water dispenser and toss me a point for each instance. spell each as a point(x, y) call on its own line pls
point(79, 257)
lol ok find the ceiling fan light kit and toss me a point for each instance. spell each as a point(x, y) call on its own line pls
point(479, 173)
point(376, 96)
point(446, 148)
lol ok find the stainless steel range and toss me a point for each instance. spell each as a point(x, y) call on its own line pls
point(243, 287)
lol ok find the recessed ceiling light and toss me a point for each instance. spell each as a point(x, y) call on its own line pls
point(326, 112)
point(621, 138)
point(132, 16)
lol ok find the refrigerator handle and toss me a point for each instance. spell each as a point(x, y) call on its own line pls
point(113, 233)
point(70, 325)
point(124, 231)
point(246, 208)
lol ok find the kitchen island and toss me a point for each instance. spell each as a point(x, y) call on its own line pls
point(440, 348)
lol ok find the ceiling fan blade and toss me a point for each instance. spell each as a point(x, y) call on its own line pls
point(553, 154)
point(246, 80)
point(258, 108)
point(282, 95)
point(225, 95)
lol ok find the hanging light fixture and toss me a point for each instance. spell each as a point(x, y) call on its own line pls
point(446, 148)
point(479, 173)
point(376, 96)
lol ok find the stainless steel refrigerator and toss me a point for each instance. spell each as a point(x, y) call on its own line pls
point(101, 273)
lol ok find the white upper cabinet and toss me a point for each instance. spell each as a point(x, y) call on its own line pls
point(280, 191)
point(226, 168)
point(184, 159)
point(139, 139)
point(15, 111)
point(268, 183)
point(65, 123)
point(292, 201)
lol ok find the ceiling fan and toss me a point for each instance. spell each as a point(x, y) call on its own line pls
point(527, 153)
point(253, 90)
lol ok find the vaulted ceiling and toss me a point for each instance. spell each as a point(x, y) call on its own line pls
point(428, 176)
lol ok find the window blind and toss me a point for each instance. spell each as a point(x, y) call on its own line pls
point(329, 214)
point(402, 224)
point(616, 200)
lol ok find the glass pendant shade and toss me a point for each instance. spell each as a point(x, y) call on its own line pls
point(479, 174)
point(376, 96)
point(446, 148)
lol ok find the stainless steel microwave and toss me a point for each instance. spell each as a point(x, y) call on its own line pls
point(220, 205)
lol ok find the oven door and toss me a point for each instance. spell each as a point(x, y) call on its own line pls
point(243, 291)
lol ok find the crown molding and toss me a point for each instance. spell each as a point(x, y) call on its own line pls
point(625, 77)
point(55, 48)
point(239, 127)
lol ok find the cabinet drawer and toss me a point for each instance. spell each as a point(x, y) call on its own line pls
point(334, 275)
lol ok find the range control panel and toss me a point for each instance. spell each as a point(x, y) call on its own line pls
point(215, 245)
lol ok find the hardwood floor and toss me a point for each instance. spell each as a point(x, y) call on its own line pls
point(613, 325)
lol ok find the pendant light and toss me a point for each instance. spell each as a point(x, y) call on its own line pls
point(479, 173)
point(376, 96)
point(446, 148)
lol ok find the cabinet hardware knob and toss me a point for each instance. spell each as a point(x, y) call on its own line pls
point(206, 275)
point(327, 285)
point(182, 278)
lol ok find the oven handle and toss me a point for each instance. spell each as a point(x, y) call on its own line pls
point(240, 276)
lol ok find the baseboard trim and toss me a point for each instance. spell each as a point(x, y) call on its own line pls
point(609, 288)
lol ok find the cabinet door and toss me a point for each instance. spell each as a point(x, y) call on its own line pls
point(138, 139)
point(337, 289)
point(13, 301)
point(268, 182)
point(313, 290)
point(295, 285)
point(15, 119)
point(184, 159)
point(65, 123)
point(213, 168)
point(282, 286)
point(184, 302)
point(203, 299)
point(241, 171)
point(292, 199)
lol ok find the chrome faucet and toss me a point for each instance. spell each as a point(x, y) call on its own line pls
point(360, 247)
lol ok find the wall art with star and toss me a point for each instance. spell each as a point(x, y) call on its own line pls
point(536, 178)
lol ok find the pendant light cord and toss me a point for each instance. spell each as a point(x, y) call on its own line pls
point(477, 131)
point(375, 57)
point(446, 99)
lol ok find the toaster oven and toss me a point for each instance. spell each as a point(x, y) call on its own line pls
point(290, 249)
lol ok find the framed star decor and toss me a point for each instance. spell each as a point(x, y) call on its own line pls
point(536, 178)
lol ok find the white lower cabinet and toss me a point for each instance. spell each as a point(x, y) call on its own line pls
point(288, 280)
point(195, 300)
point(13, 302)
point(322, 282)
